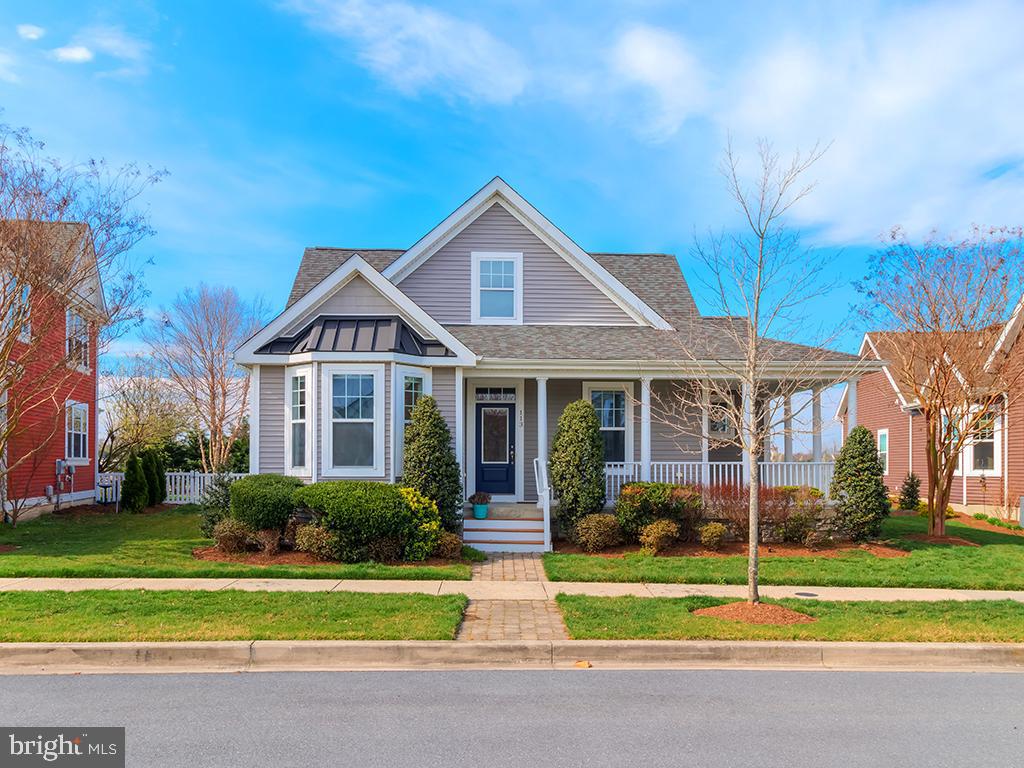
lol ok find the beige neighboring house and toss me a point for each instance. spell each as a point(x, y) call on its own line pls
point(505, 320)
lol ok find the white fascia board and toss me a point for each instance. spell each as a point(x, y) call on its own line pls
point(497, 190)
point(841, 405)
point(352, 266)
point(354, 357)
point(1009, 333)
point(885, 369)
point(672, 369)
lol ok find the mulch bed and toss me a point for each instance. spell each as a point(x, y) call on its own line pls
point(758, 613)
point(289, 557)
point(986, 526)
point(4, 548)
point(90, 510)
point(737, 548)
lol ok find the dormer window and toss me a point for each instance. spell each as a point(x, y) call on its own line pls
point(497, 280)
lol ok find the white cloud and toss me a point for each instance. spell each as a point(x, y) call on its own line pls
point(7, 64)
point(30, 32)
point(923, 110)
point(109, 41)
point(661, 65)
point(414, 48)
point(73, 54)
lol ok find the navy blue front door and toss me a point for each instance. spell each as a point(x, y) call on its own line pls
point(496, 448)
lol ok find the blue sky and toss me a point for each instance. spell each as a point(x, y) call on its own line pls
point(360, 124)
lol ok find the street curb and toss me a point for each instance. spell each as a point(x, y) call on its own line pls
point(284, 655)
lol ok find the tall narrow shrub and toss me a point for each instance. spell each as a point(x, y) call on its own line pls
point(576, 465)
point(148, 459)
point(161, 476)
point(862, 501)
point(134, 489)
point(910, 492)
point(429, 463)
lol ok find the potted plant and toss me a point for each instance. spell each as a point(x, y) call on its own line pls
point(480, 500)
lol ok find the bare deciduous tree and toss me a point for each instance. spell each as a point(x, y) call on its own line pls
point(193, 344)
point(67, 234)
point(141, 410)
point(760, 279)
point(944, 304)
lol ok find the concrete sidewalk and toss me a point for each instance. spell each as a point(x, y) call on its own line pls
point(509, 590)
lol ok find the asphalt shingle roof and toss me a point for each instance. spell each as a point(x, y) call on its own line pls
point(654, 277)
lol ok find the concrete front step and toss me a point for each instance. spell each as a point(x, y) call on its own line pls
point(510, 537)
point(503, 524)
point(503, 546)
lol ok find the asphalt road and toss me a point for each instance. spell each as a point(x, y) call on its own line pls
point(704, 719)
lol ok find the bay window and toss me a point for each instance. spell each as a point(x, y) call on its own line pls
point(298, 415)
point(410, 385)
point(353, 421)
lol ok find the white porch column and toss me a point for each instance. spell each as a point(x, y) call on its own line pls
point(645, 428)
point(816, 451)
point(542, 419)
point(460, 425)
point(705, 432)
point(851, 405)
point(787, 437)
point(254, 420)
point(748, 428)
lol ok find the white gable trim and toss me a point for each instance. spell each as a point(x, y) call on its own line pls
point(498, 191)
point(355, 265)
point(1009, 333)
point(885, 370)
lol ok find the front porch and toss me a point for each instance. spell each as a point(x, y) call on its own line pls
point(506, 423)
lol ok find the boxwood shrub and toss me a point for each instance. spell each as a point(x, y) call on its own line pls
point(263, 502)
point(362, 513)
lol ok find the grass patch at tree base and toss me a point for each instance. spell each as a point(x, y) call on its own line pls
point(669, 618)
point(140, 615)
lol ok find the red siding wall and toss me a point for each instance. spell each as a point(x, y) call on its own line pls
point(41, 437)
point(878, 407)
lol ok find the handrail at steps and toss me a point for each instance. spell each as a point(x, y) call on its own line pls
point(540, 475)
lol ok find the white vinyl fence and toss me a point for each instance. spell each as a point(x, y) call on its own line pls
point(182, 487)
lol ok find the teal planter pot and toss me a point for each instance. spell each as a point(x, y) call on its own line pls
point(480, 511)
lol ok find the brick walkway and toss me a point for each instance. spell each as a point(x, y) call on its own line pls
point(512, 620)
point(510, 567)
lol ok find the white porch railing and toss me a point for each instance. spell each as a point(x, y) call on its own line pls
point(182, 487)
point(540, 476)
point(816, 474)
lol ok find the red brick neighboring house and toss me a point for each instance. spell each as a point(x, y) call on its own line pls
point(991, 473)
point(52, 451)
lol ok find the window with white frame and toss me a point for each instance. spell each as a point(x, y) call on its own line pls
point(353, 421)
point(411, 385)
point(612, 403)
point(77, 340)
point(76, 431)
point(883, 450)
point(298, 420)
point(983, 445)
point(19, 311)
point(497, 287)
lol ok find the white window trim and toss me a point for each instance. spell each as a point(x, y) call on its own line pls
point(379, 402)
point(76, 461)
point(966, 463)
point(476, 258)
point(888, 448)
point(67, 340)
point(626, 386)
point(398, 409)
point(291, 373)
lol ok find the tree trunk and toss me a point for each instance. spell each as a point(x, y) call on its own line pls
point(755, 534)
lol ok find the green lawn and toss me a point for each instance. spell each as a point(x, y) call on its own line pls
point(160, 545)
point(664, 618)
point(997, 564)
point(97, 615)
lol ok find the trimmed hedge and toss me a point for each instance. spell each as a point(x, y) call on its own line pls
point(263, 502)
point(598, 531)
point(640, 504)
point(428, 462)
point(426, 525)
point(368, 517)
point(576, 465)
point(659, 536)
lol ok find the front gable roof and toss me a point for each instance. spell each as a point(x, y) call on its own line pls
point(498, 191)
point(355, 265)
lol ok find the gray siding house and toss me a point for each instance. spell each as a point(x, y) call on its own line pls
point(504, 320)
